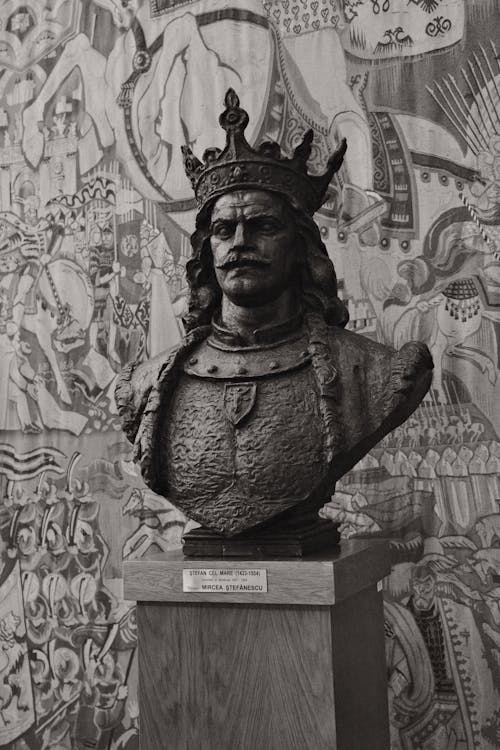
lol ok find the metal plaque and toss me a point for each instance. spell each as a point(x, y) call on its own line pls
point(224, 580)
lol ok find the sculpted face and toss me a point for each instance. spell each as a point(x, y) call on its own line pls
point(252, 240)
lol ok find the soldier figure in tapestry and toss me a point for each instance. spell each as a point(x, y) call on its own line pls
point(267, 401)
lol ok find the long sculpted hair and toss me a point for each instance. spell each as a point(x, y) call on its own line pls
point(317, 278)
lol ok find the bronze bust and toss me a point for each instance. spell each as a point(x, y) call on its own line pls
point(248, 423)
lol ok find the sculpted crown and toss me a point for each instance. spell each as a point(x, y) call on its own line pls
point(239, 166)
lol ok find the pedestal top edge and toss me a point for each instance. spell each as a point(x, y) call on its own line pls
point(317, 579)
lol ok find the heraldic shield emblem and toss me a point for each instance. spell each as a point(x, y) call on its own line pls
point(239, 400)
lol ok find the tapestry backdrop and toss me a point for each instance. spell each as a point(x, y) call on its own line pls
point(97, 97)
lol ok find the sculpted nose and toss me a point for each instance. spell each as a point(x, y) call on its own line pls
point(239, 235)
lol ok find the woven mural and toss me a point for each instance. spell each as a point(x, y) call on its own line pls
point(96, 99)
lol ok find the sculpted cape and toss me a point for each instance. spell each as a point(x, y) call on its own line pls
point(335, 396)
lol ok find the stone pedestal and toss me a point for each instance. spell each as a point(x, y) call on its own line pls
point(299, 667)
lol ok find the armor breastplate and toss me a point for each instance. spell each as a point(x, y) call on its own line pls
point(243, 435)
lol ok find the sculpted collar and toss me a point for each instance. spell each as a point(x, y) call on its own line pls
point(270, 335)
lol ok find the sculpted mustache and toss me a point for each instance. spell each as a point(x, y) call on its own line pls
point(235, 259)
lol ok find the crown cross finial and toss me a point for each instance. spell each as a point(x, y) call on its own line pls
point(233, 118)
point(239, 166)
point(231, 100)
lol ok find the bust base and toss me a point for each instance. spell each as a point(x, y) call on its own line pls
point(272, 541)
point(299, 666)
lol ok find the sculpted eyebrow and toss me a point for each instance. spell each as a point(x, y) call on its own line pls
point(263, 217)
point(250, 217)
point(254, 220)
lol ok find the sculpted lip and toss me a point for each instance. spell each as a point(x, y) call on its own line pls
point(244, 263)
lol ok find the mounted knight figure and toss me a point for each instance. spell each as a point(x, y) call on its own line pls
point(248, 423)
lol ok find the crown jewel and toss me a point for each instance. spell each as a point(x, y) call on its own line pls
point(239, 166)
